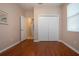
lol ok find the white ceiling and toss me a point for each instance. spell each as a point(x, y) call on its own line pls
point(30, 6)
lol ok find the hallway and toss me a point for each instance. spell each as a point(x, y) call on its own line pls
point(30, 48)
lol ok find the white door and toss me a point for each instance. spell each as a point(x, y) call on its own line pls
point(53, 24)
point(23, 28)
point(43, 29)
point(48, 28)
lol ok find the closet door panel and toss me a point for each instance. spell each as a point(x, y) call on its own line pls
point(43, 29)
point(53, 28)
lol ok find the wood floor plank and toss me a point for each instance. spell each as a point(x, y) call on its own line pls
point(30, 48)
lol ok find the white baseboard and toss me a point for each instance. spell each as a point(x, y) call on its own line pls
point(69, 46)
point(41, 40)
point(36, 41)
point(9, 47)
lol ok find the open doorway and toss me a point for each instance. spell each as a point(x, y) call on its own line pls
point(30, 28)
point(27, 28)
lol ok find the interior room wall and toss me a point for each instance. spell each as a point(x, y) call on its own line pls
point(45, 10)
point(10, 34)
point(71, 38)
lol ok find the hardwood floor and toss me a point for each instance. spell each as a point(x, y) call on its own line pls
point(30, 48)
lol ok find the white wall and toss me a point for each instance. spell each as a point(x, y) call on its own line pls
point(44, 10)
point(71, 38)
point(10, 34)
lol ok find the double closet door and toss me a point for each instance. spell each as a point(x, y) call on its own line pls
point(48, 28)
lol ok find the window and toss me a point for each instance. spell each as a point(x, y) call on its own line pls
point(73, 17)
